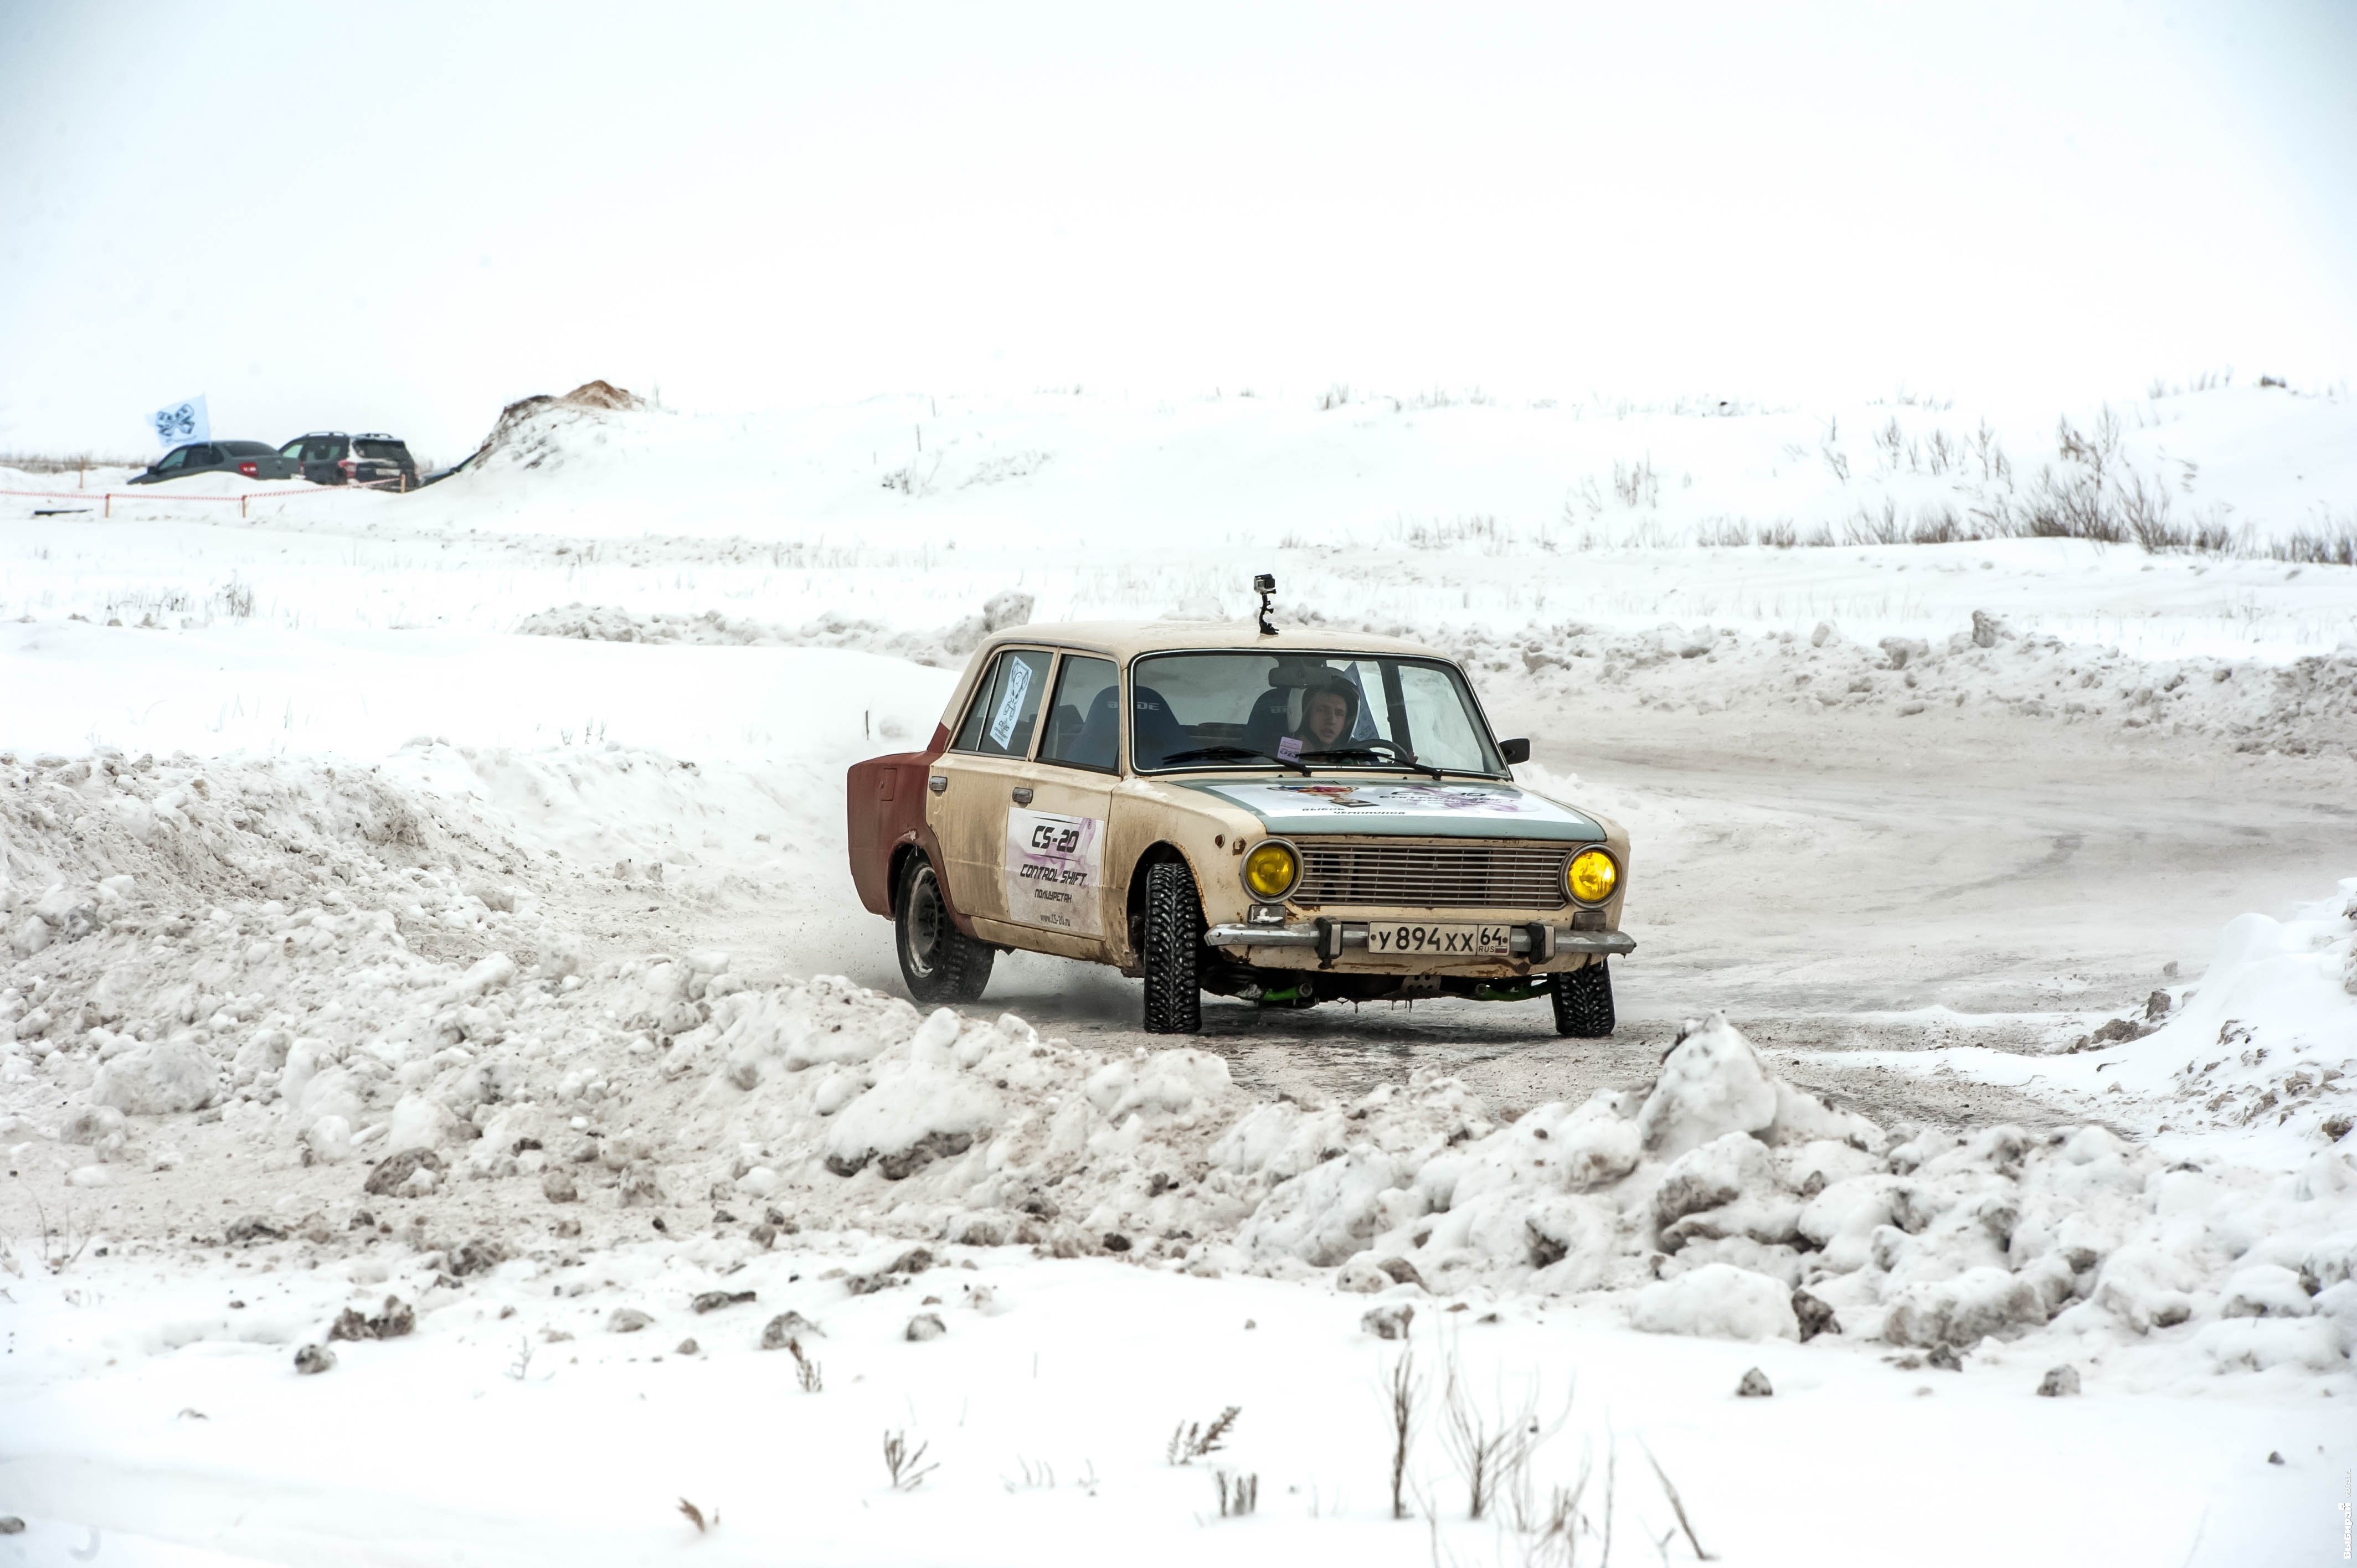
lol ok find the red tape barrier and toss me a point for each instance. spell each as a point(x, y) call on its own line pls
point(106, 498)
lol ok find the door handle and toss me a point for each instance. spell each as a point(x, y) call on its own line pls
point(1023, 794)
point(937, 783)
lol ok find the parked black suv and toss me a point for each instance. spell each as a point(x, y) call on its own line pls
point(332, 458)
point(248, 459)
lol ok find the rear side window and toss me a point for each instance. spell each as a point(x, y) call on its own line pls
point(1084, 722)
point(328, 450)
point(1007, 705)
point(383, 451)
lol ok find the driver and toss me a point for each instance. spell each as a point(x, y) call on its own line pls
point(1329, 710)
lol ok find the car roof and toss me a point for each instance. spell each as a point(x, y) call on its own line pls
point(1123, 639)
point(308, 433)
point(377, 435)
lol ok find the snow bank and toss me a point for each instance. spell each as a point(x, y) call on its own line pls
point(2300, 706)
point(2269, 1036)
point(411, 1002)
point(1719, 1300)
point(946, 648)
point(2258, 1057)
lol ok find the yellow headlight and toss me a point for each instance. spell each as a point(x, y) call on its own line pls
point(1271, 870)
point(1591, 876)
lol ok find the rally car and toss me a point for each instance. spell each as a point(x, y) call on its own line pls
point(1285, 817)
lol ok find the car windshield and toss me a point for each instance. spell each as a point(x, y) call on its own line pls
point(1305, 711)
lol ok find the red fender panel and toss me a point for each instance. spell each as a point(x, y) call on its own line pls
point(884, 808)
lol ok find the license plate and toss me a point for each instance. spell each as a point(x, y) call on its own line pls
point(1440, 941)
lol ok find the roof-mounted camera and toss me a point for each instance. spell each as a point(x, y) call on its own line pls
point(1264, 584)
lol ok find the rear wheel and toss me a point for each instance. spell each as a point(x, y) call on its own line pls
point(939, 962)
point(1583, 1001)
point(1173, 951)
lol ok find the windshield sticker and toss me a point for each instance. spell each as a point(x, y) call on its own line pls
point(1052, 871)
point(1363, 727)
point(1289, 747)
point(1010, 706)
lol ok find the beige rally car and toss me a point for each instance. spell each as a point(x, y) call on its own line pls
point(1286, 817)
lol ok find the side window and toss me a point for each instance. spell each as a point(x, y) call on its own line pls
point(328, 451)
point(292, 450)
point(1084, 721)
point(173, 459)
point(1005, 704)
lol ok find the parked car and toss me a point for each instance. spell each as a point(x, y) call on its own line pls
point(332, 458)
point(1287, 818)
point(248, 459)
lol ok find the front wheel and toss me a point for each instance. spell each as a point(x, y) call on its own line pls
point(1583, 1001)
point(1173, 951)
point(939, 962)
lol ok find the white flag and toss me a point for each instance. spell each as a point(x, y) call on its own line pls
point(182, 423)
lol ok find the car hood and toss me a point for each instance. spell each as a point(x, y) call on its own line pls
point(1416, 809)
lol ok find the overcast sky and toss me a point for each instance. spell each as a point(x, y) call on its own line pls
point(402, 216)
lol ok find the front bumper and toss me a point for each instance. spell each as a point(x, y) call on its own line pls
point(1536, 940)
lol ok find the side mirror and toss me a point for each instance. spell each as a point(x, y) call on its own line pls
point(1513, 751)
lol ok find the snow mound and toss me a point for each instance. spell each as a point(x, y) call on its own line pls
point(414, 1013)
point(1985, 1301)
point(533, 431)
point(1713, 1084)
point(1720, 1302)
point(156, 1079)
point(2306, 705)
point(2268, 1038)
point(944, 648)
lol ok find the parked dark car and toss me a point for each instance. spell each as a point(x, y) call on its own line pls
point(247, 460)
point(332, 458)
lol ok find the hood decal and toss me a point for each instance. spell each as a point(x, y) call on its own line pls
point(1451, 809)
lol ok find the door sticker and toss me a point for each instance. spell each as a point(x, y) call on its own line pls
point(1052, 871)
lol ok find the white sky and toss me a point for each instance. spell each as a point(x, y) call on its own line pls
point(400, 218)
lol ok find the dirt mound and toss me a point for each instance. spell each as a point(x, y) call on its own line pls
point(594, 397)
point(602, 394)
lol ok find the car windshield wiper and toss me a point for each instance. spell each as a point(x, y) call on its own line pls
point(1205, 753)
point(1398, 753)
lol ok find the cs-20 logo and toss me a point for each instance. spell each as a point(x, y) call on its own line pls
point(1049, 839)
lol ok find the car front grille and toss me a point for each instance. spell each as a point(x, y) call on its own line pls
point(1432, 874)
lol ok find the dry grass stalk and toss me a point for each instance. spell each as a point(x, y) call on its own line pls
point(1677, 1504)
point(1495, 1449)
point(907, 1466)
point(806, 1372)
point(1191, 1439)
point(1405, 1391)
